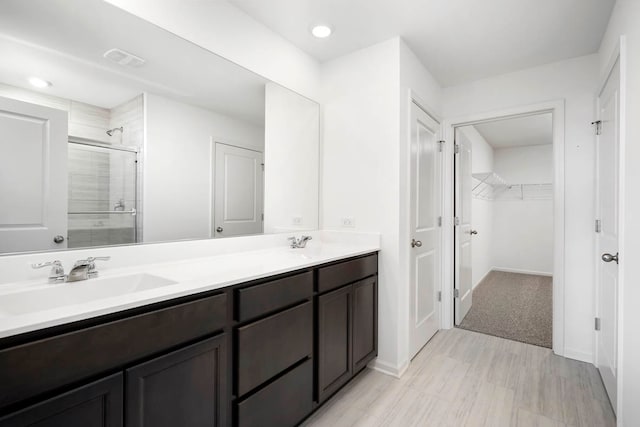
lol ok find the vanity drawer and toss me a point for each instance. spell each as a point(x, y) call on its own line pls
point(40, 366)
point(337, 275)
point(285, 402)
point(266, 297)
point(271, 345)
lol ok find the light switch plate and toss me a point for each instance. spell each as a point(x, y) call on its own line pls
point(296, 220)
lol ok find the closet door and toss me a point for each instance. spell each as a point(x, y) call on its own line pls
point(463, 280)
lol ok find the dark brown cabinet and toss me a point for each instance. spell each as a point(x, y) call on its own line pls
point(266, 352)
point(347, 327)
point(184, 388)
point(365, 322)
point(334, 341)
point(98, 404)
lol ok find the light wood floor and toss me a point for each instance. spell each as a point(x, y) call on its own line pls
point(463, 378)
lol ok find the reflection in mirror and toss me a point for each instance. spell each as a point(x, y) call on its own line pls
point(115, 131)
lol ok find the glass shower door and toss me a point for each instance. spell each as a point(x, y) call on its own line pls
point(102, 195)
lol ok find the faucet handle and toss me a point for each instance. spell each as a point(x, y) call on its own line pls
point(98, 258)
point(57, 270)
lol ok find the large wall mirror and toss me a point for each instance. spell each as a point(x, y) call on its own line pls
point(114, 131)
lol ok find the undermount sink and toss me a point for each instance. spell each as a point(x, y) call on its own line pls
point(66, 294)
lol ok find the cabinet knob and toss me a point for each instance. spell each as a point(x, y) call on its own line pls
point(58, 239)
point(416, 243)
point(219, 229)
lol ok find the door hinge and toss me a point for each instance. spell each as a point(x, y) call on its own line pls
point(262, 164)
point(456, 148)
point(456, 293)
point(262, 216)
point(597, 323)
point(456, 220)
point(440, 145)
point(439, 296)
point(598, 125)
point(439, 221)
point(598, 226)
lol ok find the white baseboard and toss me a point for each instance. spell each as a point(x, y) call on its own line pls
point(389, 369)
point(517, 270)
point(482, 278)
point(582, 356)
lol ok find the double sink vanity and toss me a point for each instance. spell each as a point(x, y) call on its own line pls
point(244, 338)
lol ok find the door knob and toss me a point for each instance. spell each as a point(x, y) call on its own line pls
point(472, 232)
point(219, 229)
point(609, 257)
point(58, 239)
point(416, 243)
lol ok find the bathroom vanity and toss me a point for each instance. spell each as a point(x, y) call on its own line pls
point(263, 352)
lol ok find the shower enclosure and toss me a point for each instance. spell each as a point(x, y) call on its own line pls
point(102, 205)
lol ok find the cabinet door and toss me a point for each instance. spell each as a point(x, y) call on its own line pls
point(186, 388)
point(365, 322)
point(98, 404)
point(334, 341)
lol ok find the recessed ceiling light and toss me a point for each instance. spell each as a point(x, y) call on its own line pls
point(321, 31)
point(39, 83)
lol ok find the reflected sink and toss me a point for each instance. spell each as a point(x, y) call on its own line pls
point(65, 294)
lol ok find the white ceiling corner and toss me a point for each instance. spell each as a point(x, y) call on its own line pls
point(457, 40)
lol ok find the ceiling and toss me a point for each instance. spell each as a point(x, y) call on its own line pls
point(457, 40)
point(518, 132)
point(63, 41)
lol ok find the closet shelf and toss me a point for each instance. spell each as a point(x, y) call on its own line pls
point(491, 186)
point(488, 185)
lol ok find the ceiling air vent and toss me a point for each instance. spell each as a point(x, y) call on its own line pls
point(122, 57)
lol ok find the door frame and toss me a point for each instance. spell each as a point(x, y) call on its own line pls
point(557, 109)
point(619, 53)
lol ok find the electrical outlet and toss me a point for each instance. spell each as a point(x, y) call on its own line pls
point(296, 220)
point(348, 221)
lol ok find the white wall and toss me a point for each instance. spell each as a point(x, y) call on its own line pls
point(365, 98)
point(574, 81)
point(177, 171)
point(292, 156)
point(624, 21)
point(481, 210)
point(522, 238)
point(359, 94)
point(229, 32)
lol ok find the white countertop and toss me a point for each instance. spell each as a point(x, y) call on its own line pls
point(192, 276)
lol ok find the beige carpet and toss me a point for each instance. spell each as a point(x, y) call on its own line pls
point(513, 306)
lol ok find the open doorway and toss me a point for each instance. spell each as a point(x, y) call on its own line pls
point(504, 233)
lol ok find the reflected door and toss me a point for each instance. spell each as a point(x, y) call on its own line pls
point(425, 207)
point(33, 177)
point(463, 279)
point(608, 144)
point(238, 191)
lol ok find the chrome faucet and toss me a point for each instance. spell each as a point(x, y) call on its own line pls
point(56, 275)
point(85, 269)
point(299, 243)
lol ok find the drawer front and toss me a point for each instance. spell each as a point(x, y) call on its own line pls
point(283, 403)
point(30, 369)
point(267, 297)
point(337, 275)
point(271, 345)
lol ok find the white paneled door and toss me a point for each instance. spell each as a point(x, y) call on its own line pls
point(238, 191)
point(33, 177)
point(425, 243)
point(608, 148)
point(463, 232)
